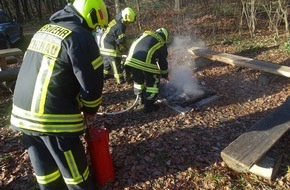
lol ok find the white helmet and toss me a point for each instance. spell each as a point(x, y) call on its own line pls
point(128, 15)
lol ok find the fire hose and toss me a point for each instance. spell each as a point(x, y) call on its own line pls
point(122, 111)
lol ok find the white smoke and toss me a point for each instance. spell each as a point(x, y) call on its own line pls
point(182, 82)
point(182, 79)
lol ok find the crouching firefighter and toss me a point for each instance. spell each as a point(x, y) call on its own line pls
point(61, 76)
point(147, 61)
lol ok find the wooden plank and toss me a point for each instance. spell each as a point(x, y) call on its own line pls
point(268, 165)
point(9, 74)
point(11, 60)
point(241, 61)
point(251, 146)
point(10, 52)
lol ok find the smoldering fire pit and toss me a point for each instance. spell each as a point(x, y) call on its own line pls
point(183, 98)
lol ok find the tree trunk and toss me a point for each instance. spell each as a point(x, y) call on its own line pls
point(38, 8)
point(48, 5)
point(138, 11)
point(6, 7)
point(249, 11)
point(53, 5)
point(2, 5)
point(62, 3)
point(284, 9)
point(177, 5)
point(17, 10)
point(117, 6)
point(25, 10)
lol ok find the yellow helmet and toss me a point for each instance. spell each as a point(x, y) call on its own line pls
point(128, 15)
point(164, 32)
point(93, 11)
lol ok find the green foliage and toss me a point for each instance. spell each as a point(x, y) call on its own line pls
point(234, 40)
point(242, 181)
point(287, 46)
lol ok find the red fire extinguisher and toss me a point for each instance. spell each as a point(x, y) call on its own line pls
point(101, 160)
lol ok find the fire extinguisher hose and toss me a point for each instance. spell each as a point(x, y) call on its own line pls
point(120, 112)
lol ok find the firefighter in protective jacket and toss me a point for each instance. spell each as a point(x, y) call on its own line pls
point(112, 38)
point(61, 76)
point(147, 61)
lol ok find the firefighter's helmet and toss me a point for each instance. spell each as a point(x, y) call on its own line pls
point(93, 11)
point(164, 33)
point(128, 15)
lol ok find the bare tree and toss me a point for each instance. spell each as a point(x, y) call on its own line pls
point(277, 12)
point(249, 12)
point(177, 5)
point(284, 14)
point(6, 7)
point(17, 10)
point(117, 6)
point(138, 11)
point(38, 8)
point(26, 12)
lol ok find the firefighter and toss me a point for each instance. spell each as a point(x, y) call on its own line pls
point(60, 78)
point(147, 61)
point(110, 42)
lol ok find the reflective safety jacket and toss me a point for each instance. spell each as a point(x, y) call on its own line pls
point(61, 76)
point(112, 37)
point(149, 53)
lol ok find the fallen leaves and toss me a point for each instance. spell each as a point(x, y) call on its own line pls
point(167, 150)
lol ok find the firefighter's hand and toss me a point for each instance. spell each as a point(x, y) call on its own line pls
point(90, 120)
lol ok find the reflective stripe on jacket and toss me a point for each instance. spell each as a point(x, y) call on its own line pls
point(148, 53)
point(61, 75)
point(112, 37)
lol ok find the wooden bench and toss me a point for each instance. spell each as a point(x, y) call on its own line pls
point(236, 60)
point(249, 149)
point(251, 152)
point(9, 75)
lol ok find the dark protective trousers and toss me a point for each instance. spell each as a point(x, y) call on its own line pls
point(59, 162)
point(145, 84)
point(113, 64)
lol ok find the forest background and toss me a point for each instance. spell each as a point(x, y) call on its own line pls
point(186, 17)
point(190, 144)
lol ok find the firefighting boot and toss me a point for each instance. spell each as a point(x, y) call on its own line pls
point(121, 80)
point(140, 99)
point(107, 76)
point(127, 76)
point(149, 106)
